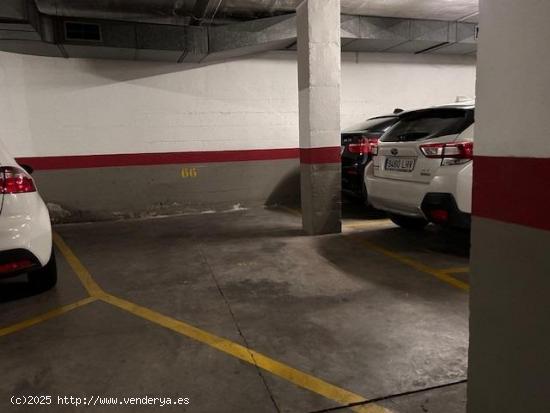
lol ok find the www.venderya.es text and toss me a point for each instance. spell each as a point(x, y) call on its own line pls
point(95, 400)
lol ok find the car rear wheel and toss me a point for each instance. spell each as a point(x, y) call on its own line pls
point(408, 222)
point(44, 278)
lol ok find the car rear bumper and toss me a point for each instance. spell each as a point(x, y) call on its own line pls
point(25, 225)
point(352, 179)
point(398, 197)
point(442, 209)
point(450, 189)
point(17, 261)
point(353, 175)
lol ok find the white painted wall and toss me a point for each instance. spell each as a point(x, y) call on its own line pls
point(54, 106)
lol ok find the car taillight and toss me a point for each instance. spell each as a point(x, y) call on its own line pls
point(450, 153)
point(15, 181)
point(364, 146)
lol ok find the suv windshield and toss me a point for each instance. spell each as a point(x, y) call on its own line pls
point(430, 124)
point(373, 125)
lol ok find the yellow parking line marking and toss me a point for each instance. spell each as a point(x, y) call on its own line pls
point(297, 377)
point(443, 275)
point(46, 316)
point(290, 374)
point(457, 270)
point(347, 225)
point(366, 224)
point(85, 277)
point(439, 274)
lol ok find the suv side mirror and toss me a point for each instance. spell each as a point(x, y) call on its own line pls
point(29, 169)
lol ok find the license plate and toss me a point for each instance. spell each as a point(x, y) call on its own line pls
point(400, 164)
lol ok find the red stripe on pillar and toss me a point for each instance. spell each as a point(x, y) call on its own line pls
point(329, 154)
point(514, 190)
point(165, 158)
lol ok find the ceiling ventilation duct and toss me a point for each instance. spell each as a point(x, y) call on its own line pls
point(82, 31)
point(24, 29)
point(464, 40)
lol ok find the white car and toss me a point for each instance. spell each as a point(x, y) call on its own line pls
point(422, 168)
point(25, 228)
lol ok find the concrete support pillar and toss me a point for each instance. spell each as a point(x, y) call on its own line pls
point(509, 367)
point(319, 67)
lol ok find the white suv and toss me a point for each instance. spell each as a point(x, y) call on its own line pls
point(25, 229)
point(422, 168)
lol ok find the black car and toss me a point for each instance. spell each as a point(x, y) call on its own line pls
point(357, 143)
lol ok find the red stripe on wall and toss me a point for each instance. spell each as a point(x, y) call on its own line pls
point(514, 190)
point(166, 158)
point(320, 155)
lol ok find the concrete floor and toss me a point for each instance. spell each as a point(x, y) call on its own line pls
point(362, 311)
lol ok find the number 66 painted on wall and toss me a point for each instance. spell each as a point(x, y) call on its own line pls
point(189, 172)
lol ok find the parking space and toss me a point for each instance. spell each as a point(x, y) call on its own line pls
point(287, 206)
point(240, 312)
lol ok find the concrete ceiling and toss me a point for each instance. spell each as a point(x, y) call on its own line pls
point(172, 11)
point(415, 9)
point(167, 11)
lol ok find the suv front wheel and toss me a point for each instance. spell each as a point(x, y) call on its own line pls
point(409, 222)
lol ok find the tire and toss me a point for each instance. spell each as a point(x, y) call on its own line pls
point(415, 224)
point(46, 277)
